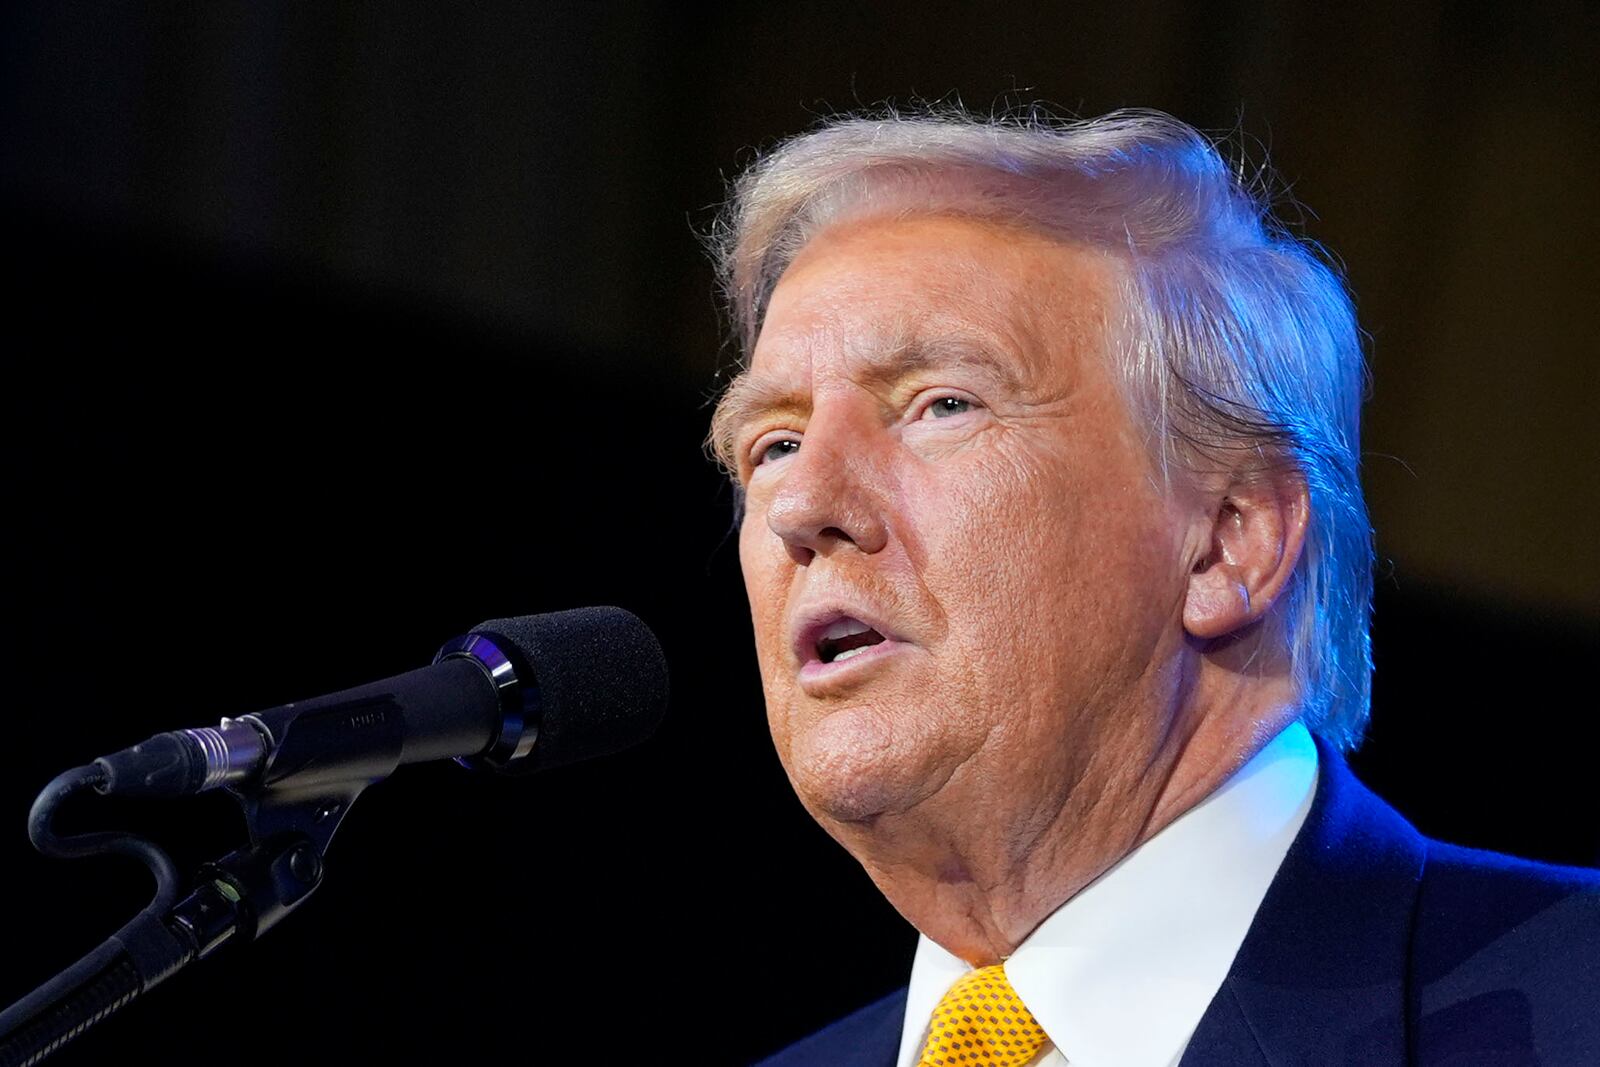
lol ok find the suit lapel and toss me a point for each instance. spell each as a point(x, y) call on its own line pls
point(879, 1043)
point(1322, 974)
point(1224, 1037)
point(867, 1038)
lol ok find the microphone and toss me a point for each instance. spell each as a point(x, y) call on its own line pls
point(514, 695)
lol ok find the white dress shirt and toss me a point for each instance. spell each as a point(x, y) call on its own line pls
point(1120, 975)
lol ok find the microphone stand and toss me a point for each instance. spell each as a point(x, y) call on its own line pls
point(236, 899)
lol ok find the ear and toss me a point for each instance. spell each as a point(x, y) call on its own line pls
point(1255, 536)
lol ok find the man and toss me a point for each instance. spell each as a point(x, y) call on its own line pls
point(1057, 559)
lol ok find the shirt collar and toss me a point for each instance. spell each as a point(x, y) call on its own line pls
point(1120, 975)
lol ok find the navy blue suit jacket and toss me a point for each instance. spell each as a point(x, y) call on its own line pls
point(1373, 946)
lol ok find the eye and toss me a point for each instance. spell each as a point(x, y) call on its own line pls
point(944, 407)
point(772, 448)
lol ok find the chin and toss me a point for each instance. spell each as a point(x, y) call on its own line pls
point(846, 767)
point(854, 803)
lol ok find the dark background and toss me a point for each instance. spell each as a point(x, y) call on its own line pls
point(335, 329)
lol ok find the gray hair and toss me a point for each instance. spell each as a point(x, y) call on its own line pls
point(1236, 342)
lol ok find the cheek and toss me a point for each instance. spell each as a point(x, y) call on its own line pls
point(760, 554)
point(1044, 563)
point(768, 574)
point(988, 527)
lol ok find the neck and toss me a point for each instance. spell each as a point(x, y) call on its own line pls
point(980, 886)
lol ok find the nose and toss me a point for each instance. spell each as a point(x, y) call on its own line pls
point(831, 495)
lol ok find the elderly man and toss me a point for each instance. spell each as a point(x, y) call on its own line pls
point(1047, 447)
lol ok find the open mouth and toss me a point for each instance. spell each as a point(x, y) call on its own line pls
point(845, 638)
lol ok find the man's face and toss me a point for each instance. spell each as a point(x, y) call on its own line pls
point(964, 581)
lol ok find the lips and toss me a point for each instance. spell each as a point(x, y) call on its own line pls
point(832, 639)
point(845, 638)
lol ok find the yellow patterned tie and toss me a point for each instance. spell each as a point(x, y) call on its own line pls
point(981, 1021)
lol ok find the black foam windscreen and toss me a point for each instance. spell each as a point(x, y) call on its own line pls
point(601, 675)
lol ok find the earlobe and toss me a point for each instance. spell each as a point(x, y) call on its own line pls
point(1254, 539)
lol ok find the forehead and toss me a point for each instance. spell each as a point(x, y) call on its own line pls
point(933, 286)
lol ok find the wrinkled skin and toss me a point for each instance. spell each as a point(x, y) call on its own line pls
point(930, 437)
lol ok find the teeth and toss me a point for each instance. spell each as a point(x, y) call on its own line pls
point(847, 653)
point(846, 627)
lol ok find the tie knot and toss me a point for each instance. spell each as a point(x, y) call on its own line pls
point(981, 1020)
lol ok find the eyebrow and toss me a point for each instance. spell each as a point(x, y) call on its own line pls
point(749, 397)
